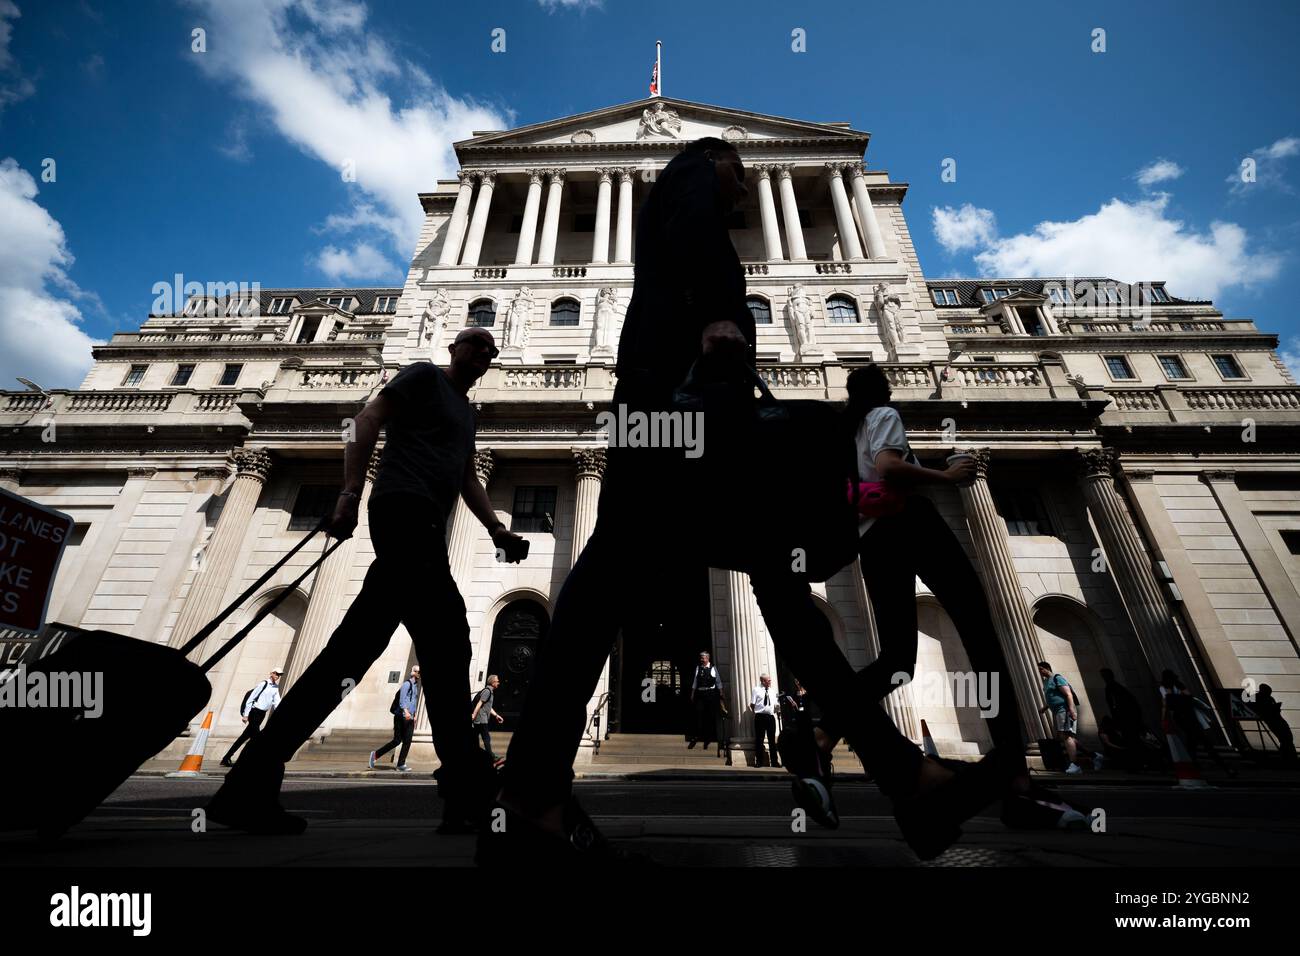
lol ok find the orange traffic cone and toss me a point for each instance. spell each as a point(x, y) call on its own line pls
point(1189, 777)
point(927, 742)
point(192, 765)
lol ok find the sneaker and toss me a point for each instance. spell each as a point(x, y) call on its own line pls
point(814, 797)
point(403, 768)
point(371, 762)
point(1074, 768)
point(1026, 812)
point(1098, 761)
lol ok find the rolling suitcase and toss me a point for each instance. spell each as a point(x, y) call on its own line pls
point(120, 701)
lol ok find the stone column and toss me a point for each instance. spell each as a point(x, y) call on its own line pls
point(528, 231)
point(623, 242)
point(450, 254)
point(590, 464)
point(867, 214)
point(252, 465)
point(1011, 616)
point(1130, 566)
point(767, 210)
point(899, 705)
point(551, 224)
point(790, 213)
point(323, 613)
point(748, 657)
point(848, 230)
point(600, 242)
point(478, 225)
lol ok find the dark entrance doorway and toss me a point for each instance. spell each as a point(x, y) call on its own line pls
point(655, 655)
point(519, 628)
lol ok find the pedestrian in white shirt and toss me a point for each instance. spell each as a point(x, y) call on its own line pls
point(258, 704)
point(763, 704)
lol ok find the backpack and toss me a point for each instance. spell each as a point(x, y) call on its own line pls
point(243, 704)
point(474, 699)
point(396, 708)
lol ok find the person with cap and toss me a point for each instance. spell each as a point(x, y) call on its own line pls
point(257, 706)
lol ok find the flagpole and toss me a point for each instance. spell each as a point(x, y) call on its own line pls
point(659, 68)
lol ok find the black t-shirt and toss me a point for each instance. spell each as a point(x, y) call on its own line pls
point(430, 440)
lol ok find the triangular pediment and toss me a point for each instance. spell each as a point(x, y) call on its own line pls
point(661, 119)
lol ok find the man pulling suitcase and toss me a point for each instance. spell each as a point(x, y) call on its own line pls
point(428, 459)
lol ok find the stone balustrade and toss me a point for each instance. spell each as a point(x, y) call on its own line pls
point(996, 376)
point(543, 377)
point(336, 377)
point(792, 376)
point(1285, 398)
point(166, 404)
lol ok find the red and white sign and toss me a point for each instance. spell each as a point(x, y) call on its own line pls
point(32, 538)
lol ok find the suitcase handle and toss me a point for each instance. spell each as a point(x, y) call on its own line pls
point(206, 631)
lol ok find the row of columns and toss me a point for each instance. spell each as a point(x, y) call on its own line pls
point(468, 227)
point(853, 219)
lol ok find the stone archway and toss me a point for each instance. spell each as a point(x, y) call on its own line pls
point(952, 716)
point(1070, 637)
point(267, 645)
point(517, 632)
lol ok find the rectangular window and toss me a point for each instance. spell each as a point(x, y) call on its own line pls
point(280, 306)
point(1173, 367)
point(987, 295)
point(1228, 366)
point(1023, 511)
point(313, 503)
point(307, 331)
point(534, 509)
point(1060, 295)
point(1158, 294)
point(945, 296)
point(230, 374)
point(1111, 295)
point(1119, 368)
point(182, 376)
point(134, 376)
point(339, 301)
point(386, 303)
point(1030, 320)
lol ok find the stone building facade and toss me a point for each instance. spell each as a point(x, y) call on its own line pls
point(1138, 504)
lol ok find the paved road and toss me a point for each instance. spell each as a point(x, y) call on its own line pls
point(149, 822)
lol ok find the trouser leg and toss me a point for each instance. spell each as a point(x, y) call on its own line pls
point(397, 737)
point(408, 731)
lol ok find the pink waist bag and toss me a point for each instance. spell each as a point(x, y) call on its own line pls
point(875, 499)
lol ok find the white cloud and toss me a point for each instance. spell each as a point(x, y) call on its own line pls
point(1134, 242)
point(40, 334)
point(1268, 167)
point(13, 85)
point(323, 79)
point(1159, 171)
point(361, 262)
point(552, 5)
point(966, 228)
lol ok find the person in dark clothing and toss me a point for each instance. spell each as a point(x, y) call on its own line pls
point(261, 701)
point(1270, 711)
point(427, 463)
point(706, 699)
point(1183, 714)
point(1123, 706)
point(483, 714)
point(688, 303)
point(763, 703)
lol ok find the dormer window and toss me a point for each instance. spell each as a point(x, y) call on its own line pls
point(992, 295)
point(195, 306)
point(339, 301)
point(1158, 294)
point(280, 306)
point(944, 296)
point(1060, 295)
point(1030, 319)
point(386, 303)
point(1111, 295)
point(308, 329)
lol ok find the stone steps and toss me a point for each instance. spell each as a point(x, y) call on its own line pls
point(665, 750)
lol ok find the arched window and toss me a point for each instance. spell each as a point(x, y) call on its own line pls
point(760, 309)
point(841, 310)
point(483, 313)
point(564, 312)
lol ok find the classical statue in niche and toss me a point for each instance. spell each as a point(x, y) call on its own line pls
point(434, 319)
point(798, 312)
point(519, 319)
point(606, 319)
point(888, 307)
point(659, 120)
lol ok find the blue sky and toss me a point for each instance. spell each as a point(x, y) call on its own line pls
point(223, 165)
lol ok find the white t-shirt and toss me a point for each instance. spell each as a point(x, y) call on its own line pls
point(881, 430)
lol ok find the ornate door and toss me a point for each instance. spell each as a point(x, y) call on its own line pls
point(519, 628)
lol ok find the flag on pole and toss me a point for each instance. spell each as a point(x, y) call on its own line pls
point(654, 79)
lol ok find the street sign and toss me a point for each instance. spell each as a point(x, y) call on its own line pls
point(32, 538)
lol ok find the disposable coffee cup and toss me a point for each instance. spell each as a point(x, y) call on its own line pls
point(958, 457)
